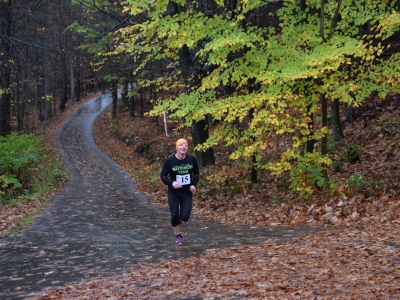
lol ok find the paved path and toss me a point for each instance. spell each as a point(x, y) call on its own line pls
point(100, 225)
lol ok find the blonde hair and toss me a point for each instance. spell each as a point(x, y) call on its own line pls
point(180, 142)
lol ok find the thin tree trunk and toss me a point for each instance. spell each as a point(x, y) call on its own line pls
point(124, 92)
point(19, 105)
point(79, 85)
point(64, 97)
point(5, 98)
point(324, 108)
point(46, 80)
point(337, 130)
point(324, 142)
point(310, 141)
point(254, 174)
point(132, 107)
point(142, 96)
point(114, 98)
point(72, 79)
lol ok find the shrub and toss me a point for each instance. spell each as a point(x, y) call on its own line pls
point(352, 152)
point(337, 166)
point(367, 186)
point(25, 167)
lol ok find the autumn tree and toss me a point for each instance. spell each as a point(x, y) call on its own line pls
point(97, 33)
point(177, 70)
point(314, 55)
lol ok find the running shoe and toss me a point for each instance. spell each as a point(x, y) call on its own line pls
point(179, 241)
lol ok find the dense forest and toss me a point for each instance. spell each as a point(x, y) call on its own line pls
point(272, 82)
point(290, 106)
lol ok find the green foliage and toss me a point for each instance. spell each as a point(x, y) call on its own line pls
point(18, 153)
point(337, 166)
point(330, 146)
point(25, 167)
point(306, 171)
point(368, 186)
point(308, 55)
point(8, 184)
point(352, 152)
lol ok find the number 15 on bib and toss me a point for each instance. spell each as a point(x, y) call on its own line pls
point(183, 179)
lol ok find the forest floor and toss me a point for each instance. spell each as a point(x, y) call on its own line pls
point(18, 215)
point(358, 259)
point(366, 163)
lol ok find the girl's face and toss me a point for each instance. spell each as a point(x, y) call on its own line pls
point(182, 148)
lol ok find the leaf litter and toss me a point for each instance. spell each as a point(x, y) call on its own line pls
point(358, 259)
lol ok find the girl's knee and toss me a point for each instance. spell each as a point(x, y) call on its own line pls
point(185, 218)
point(175, 222)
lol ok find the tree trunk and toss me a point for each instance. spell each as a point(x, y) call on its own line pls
point(5, 98)
point(72, 78)
point(19, 106)
point(324, 142)
point(79, 85)
point(310, 141)
point(337, 130)
point(199, 130)
point(324, 108)
point(114, 98)
point(64, 98)
point(254, 174)
point(142, 96)
point(124, 92)
point(132, 107)
point(199, 134)
point(46, 80)
point(349, 114)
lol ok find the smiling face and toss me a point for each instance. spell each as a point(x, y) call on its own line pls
point(181, 147)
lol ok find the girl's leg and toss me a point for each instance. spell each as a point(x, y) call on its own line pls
point(186, 206)
point(177, 229)
point(173, 203)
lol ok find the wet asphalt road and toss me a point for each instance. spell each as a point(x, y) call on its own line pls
point(100, 225)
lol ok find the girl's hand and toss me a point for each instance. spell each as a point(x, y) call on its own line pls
point(176, 185)
point(193, 189)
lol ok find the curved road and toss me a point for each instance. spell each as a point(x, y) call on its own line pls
point(100, 225)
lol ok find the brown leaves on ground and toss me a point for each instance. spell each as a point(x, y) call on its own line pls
point(373, 201)
point(340, 264)
point(12, 217)
point(359, 258)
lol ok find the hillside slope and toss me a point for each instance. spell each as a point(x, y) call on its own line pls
point(370, 183)
point(358, 262)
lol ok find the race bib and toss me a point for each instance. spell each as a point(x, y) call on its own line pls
point(183, 179)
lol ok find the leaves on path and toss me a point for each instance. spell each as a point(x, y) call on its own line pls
point(358, 259)
point(345, 264)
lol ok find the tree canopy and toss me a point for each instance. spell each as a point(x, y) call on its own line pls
point(264, 67)
point(236, 72)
